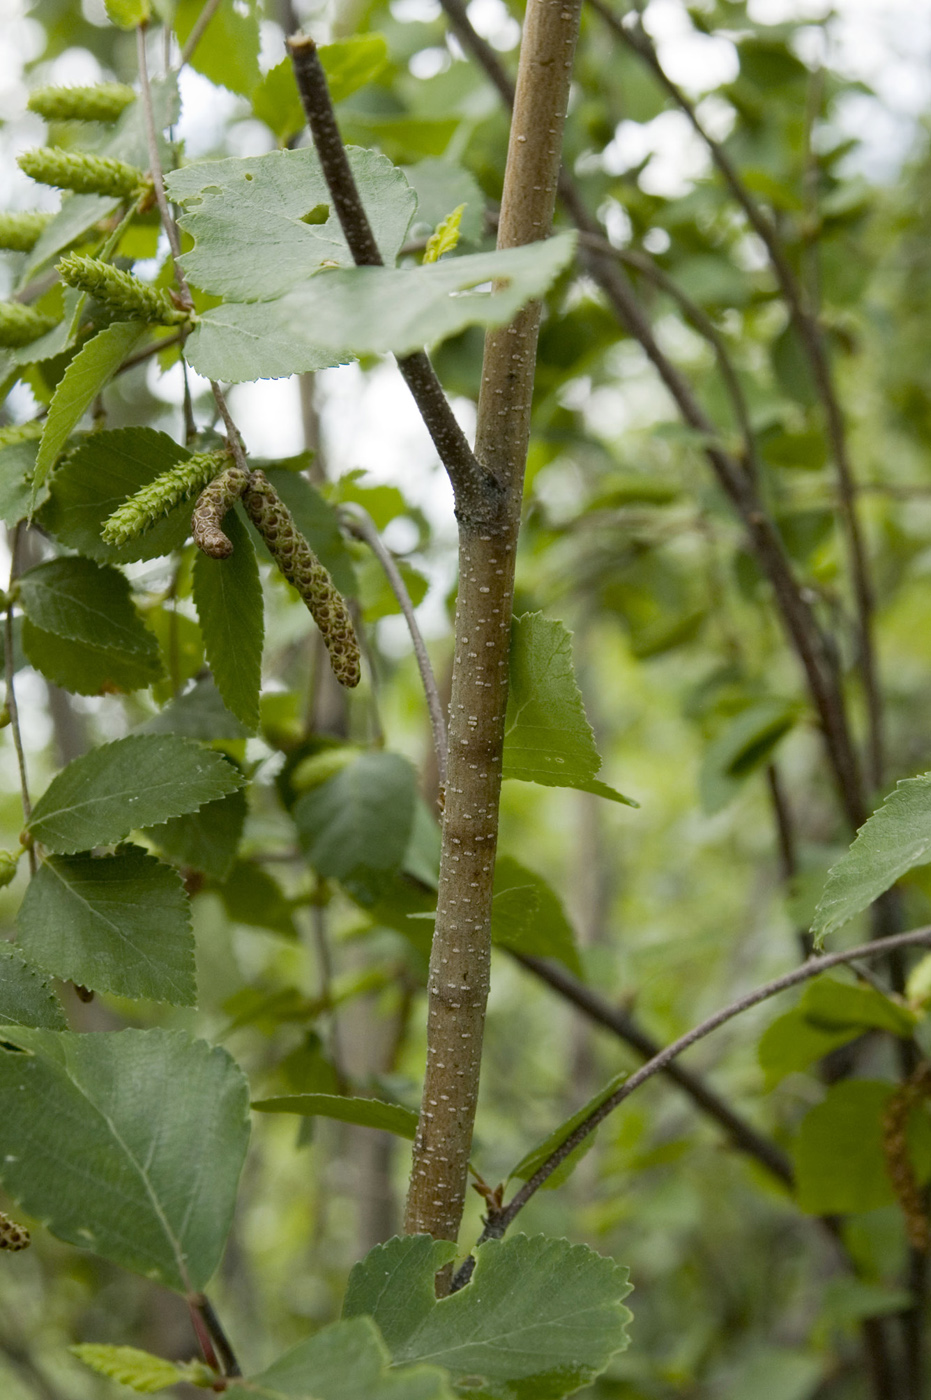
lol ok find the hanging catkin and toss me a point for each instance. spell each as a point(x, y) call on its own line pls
point(141, 511)
point(125, 295)
point(303, 569)
point(212, 504)
point(910, 1195)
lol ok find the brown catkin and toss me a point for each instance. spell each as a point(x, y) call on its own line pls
point(910, 1195)
point(12, 1236)
point(212, 504)
point(303, 570)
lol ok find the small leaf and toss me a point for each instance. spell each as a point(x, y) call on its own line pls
point(744, 746)
point(527, 916)
point(117, 923)
point(206, 840)
point(250, 896)
point(351, 63)
point(228, 597)
point(128, 14)
point(228, 50)
point(840, 1166)
point(25, 999)
point(133, 783)
point(547, 737)
point(127, 1143)
point(534, 1160)
point(347, 1361)
point(85, 376)
point(366, 1113)
point(86, 602)
point(829, 1014)
point(140, 1370)
point(85, 669)
point(361, 819)
point(98, 477)
point(540, 1316)
point(445, 236)
point(197, 714)
point(895, 839)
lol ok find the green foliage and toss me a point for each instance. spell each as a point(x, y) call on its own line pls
point(86, 602)
point(742, 748)
point(140, 1370)
point(206, 840)
point(116, 923)
point(156, 1126)
point(547, 737)
point(121, 787)
point(895, 839)
point(829, 1014)
point(366, 1113)
point(342, 1361)
point(25, 998)
point(535, 1159)
point(228, 596)
point(361, 819)
point(539, 1316)
point(21, 325)
point(527, 916)
point(228, 51)
point(445, 236)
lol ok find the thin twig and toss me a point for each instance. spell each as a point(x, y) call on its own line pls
point(813, 968)
point(360, 524)
point(214, 1342)
point(197, 33)
point(475, 490)
point(151, 350)
point(11, 705)
point(155, 167)
point(626, 1028)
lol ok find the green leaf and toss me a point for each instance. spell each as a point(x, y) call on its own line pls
point(206, 840)
point(117, 923)
point(248, 219)
point(534, 1159)
point(741, 748)
point(840, 1166)
point(128, 14)
point(228, 50)
point(277, 102)
point(792, 1043)
point(140, 1370)
point(85, 669)
point(228, 596)
point(361, 819)
point(547, 738)
point(339, 314)
point(366, 1113)
point(351, 63)
point(85, 376)
point(829, 1014)
point(86, 602)
point(527, 916)
point(197, 714)
point(97, 478)
point(17, 463)
point(894, 839)
point(126, 1143)
point(250, 896)
point(541, 1317)
point(347, 1361)
point(130, 784)
point(441, 185)
point(25, 999)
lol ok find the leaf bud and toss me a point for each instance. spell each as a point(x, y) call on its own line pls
point(125, 295)
point(21, 232)
point(85, 174)
point(140, 512)
point(102, 103)
point(207, 522)
point(21, 324)
point(8, 864)
point(303, 570)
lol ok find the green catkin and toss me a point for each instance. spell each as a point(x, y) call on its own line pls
point(102, 103)
point(20, 233)
point(20, 432)
point(125, 295)
point(178, 484)
point(21, 325)
point(74, 170)
point(303, 569)
point(905, 1184)
point(207, 521)
point(12, 1236)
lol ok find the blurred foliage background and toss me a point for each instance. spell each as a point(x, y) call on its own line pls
point(697, 702)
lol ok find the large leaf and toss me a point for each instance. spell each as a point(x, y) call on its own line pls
point(120, 787)
point(348, 64)
point(228, 51)
point(228, 596)
point(529, 1165)
point(87, 669)
point(25, 998)
point(344, 313)
point(896, 838)
point(86, 375)
point(117, 923)
point(547, 738)
point(88, 603)
point(829, 1014)
point(127, 1143)
point(527, 916)
point(254, 221)
point(365, 1113)
point(361, 819)
point(98, 477)
point(347, 1361)
point(840, 1165)
point(540, 1317)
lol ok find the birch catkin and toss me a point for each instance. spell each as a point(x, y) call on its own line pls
point(141, 511)
point(102, 103)
point(207, 521)
point(905, 1183)
point(127, 297)
point(85, 174)
point(303, 569)
point(21, 232)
